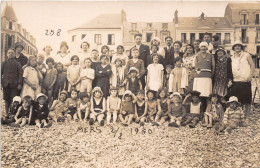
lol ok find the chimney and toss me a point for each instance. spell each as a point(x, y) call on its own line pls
point(123, 16)
point(176, 16)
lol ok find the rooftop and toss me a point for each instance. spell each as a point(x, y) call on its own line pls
point(103, 21)
point(208, 22)
point(9, 13)
point(245, 5)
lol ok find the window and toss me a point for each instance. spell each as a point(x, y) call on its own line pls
point(134, 26)
point(192, 38)
point(9, 41)
point(149, 37)
point(10, 25)
point(97, 39)
point(183, 37)
point(257, 19)
point(227, 38)
point(163, 35)
point(83, 36)
point(73, 38)
point(257, 35)
point(244, 20)
point(165, 26)
point(201, 36)
point(111, 39)
point(244, 37)
point(149, 25)
point(219, 36)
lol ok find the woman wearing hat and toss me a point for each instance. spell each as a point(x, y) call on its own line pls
point(243, 69)
point(64, 56)
point(157, 41)
point(205, 67)
point(19, 57)
point(223, 73)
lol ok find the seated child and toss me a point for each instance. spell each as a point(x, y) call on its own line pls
point(133, 82)
point(113, 105)
point(164, 103)
point(140, 115)
point(83, 106)
point(194, 109)
point(24, 113)
point(40, 111)
point(71, 105)
point(127, 109)
point(214, 111)
point(58, 107)
point(98, 107)
point(151, 107)
point(176, 110)
point(233, 116)
point(9, 118)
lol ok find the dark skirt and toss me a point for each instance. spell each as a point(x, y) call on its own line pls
point(243, 91)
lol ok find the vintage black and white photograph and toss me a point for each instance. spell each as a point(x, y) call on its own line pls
point(104, 84)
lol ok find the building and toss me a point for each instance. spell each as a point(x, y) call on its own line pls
point(245, 20)
point(105, 29)
point(188, 29)
point(12, 32)
point(149, 30)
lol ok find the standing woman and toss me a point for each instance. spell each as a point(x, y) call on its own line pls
point(157, 41)
point(177, 50)
point(205, 67)
point(188, 58)
point(63, 56)
point(223, 74)
point(243, 69)
point(47, 51)
point(105, 51)
point(84, 53)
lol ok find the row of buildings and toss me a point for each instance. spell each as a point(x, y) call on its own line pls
point(241, 21)
point(12, 32)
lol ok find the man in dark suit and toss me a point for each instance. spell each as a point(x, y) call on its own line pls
point(169, 51)
point(144, 52)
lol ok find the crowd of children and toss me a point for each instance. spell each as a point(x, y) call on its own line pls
point(108, 89)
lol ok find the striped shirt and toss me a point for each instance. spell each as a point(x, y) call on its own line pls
point(234, 116)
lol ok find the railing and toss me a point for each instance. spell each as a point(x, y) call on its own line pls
point(244, 22)
point(244, 40)
point(226, 42)
point(257, 39)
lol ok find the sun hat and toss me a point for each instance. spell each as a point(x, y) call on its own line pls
point(176, 94)
point(127, 92)
point(64, 92)
point(41, 95)
point(233, 99)
point(17, 98)
point(97, 89)
point(133, 69)
point(238, 42)
point(221, 49)
point(204, 44)
point(195, 93)
point(17, 44)
point(64, 43)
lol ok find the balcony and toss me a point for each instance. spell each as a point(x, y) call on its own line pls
point(244, 40)
point(244, 22)
point(226, 42)
point(257, 40)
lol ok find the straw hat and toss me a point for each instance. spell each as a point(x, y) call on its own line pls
point(238, 42)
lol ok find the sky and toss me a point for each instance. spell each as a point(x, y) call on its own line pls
point(36, 17)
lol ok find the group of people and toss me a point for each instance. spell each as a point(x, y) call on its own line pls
point(151, 85)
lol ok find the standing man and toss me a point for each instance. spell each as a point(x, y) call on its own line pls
point(215, 44)
point(84, 53)
point(144, 52)
point(19, 57)
point(207, 38)
point(11, 78)
point(169, 51)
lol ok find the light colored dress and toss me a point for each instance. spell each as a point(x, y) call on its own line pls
point(117, 78)
point(178, 80)
point(64, 59)
point(82, 57)
point(31, 75)
point(73, 73)
point(155, 76)
point(123, 57)
point(240, 67)
point(86, 84)
point(188, 63)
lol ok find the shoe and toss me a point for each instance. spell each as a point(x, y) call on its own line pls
point(48, 125)
point(77, 120)
point(204, 125)
point(172, 124)
point(141, 124)
point(192, 126)
point(42, 125)
point(156, 124)
point(15, 125)
point(209, 126)
point(91, 121)
point(102, 122)
point(229, 131)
